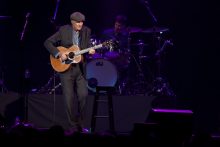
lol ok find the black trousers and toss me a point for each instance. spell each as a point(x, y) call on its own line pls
point(75, 91)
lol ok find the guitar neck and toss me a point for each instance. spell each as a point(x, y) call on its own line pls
point(87, 50)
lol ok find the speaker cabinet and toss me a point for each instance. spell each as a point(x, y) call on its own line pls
point(167, 126)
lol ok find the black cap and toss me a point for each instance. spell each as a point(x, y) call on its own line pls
point(77, 16)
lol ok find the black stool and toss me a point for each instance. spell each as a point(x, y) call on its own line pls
point(110, 107)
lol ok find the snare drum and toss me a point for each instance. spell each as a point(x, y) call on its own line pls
point(101, 72)
point(119, 59)
point(111, 55)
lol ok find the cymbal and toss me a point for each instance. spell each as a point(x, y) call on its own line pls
point(134, 29)
point(155, 30)
point(4, 17)
point(139, 44)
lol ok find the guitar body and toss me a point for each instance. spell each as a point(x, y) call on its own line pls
point(60, 66)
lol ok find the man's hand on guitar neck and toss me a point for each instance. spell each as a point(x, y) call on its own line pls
point(92, 51)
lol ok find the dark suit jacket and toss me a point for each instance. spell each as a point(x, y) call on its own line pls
point(63, 37)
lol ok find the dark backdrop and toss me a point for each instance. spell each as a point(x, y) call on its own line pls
point(191, 64)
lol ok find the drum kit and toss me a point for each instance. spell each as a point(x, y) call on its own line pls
point(131, 71)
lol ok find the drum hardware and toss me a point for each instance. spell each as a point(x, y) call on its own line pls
point(121, 61)
point(143, 57)
point(44, 89)
point(51, 86)
point(94, 41)
point(113, 52)
point(95, 56)
point(162, 49)
point(135, 83)
point(111, 55)
point(51, 91)
point(161, 87)
point(139, 43)
point(142, 48)
point(99, 53)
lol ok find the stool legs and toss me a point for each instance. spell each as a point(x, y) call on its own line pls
point(110, 111)
point(110, 108)
point(94, 113)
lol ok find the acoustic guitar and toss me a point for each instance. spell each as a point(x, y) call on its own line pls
point(74, 55)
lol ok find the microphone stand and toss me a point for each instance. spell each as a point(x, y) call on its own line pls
point(154, 19)
point(47, 88)
point(53, 20)
point(25, 26)
point(25, 76)
point(56, 9)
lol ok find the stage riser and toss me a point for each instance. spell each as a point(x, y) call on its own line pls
point(45, 111)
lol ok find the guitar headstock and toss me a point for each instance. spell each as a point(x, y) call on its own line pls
point(110, 44)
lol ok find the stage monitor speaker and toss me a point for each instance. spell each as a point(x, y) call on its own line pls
point(169, 126)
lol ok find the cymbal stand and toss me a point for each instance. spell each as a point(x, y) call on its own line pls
point(51, 85)
point(160, 84)
point(139, 83)
point(44, 89)
point(135, 81)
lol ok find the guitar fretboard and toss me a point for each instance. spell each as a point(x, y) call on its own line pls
point(87, 50)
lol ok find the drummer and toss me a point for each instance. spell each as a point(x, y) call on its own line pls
point(118, 55)
point(119, 34)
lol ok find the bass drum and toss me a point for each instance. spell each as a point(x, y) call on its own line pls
point(101, 72)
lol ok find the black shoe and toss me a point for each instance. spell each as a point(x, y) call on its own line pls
point(79, 128)
point(73, 130)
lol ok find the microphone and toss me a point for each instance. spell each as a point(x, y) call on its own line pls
point(169, 42)
point(28, 14)
point(144, 2)
point(25, 25)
